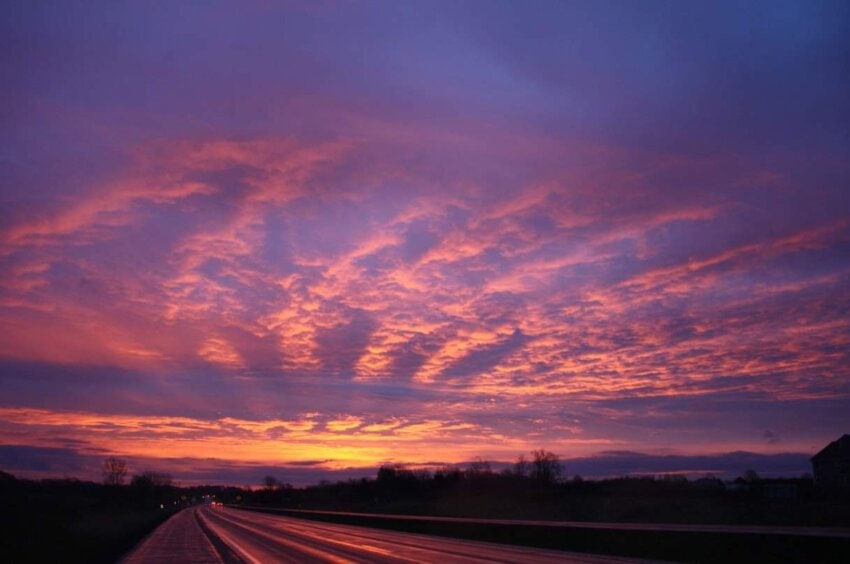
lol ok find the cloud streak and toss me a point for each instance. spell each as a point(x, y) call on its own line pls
point(474, 236)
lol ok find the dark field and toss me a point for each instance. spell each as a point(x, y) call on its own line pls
point(72, 521)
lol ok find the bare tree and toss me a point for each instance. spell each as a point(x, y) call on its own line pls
point(546, 467)
point(114, 471)
point(478, 467)
point(522, 467)
point(271, 483)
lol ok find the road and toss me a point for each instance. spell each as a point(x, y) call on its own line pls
point(230, 536)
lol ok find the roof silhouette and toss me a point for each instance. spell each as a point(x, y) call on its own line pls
point(836, 449)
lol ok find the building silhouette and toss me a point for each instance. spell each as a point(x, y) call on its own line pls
point(832, 465)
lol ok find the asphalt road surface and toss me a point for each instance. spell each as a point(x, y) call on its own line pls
point(223, 535)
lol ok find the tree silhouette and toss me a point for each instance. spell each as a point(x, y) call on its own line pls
point(522, 466)
point(114, 471)
point(150, 479)
point(545, 467)
point(271, 483)
point(478, 467)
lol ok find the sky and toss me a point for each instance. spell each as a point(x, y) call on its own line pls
point(310, 238)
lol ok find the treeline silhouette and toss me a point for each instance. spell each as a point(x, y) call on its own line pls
point(70, 520)
point(537, 488)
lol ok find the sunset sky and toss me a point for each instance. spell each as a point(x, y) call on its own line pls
point(308, 238)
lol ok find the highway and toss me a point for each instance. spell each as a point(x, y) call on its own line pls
point(229, 536)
